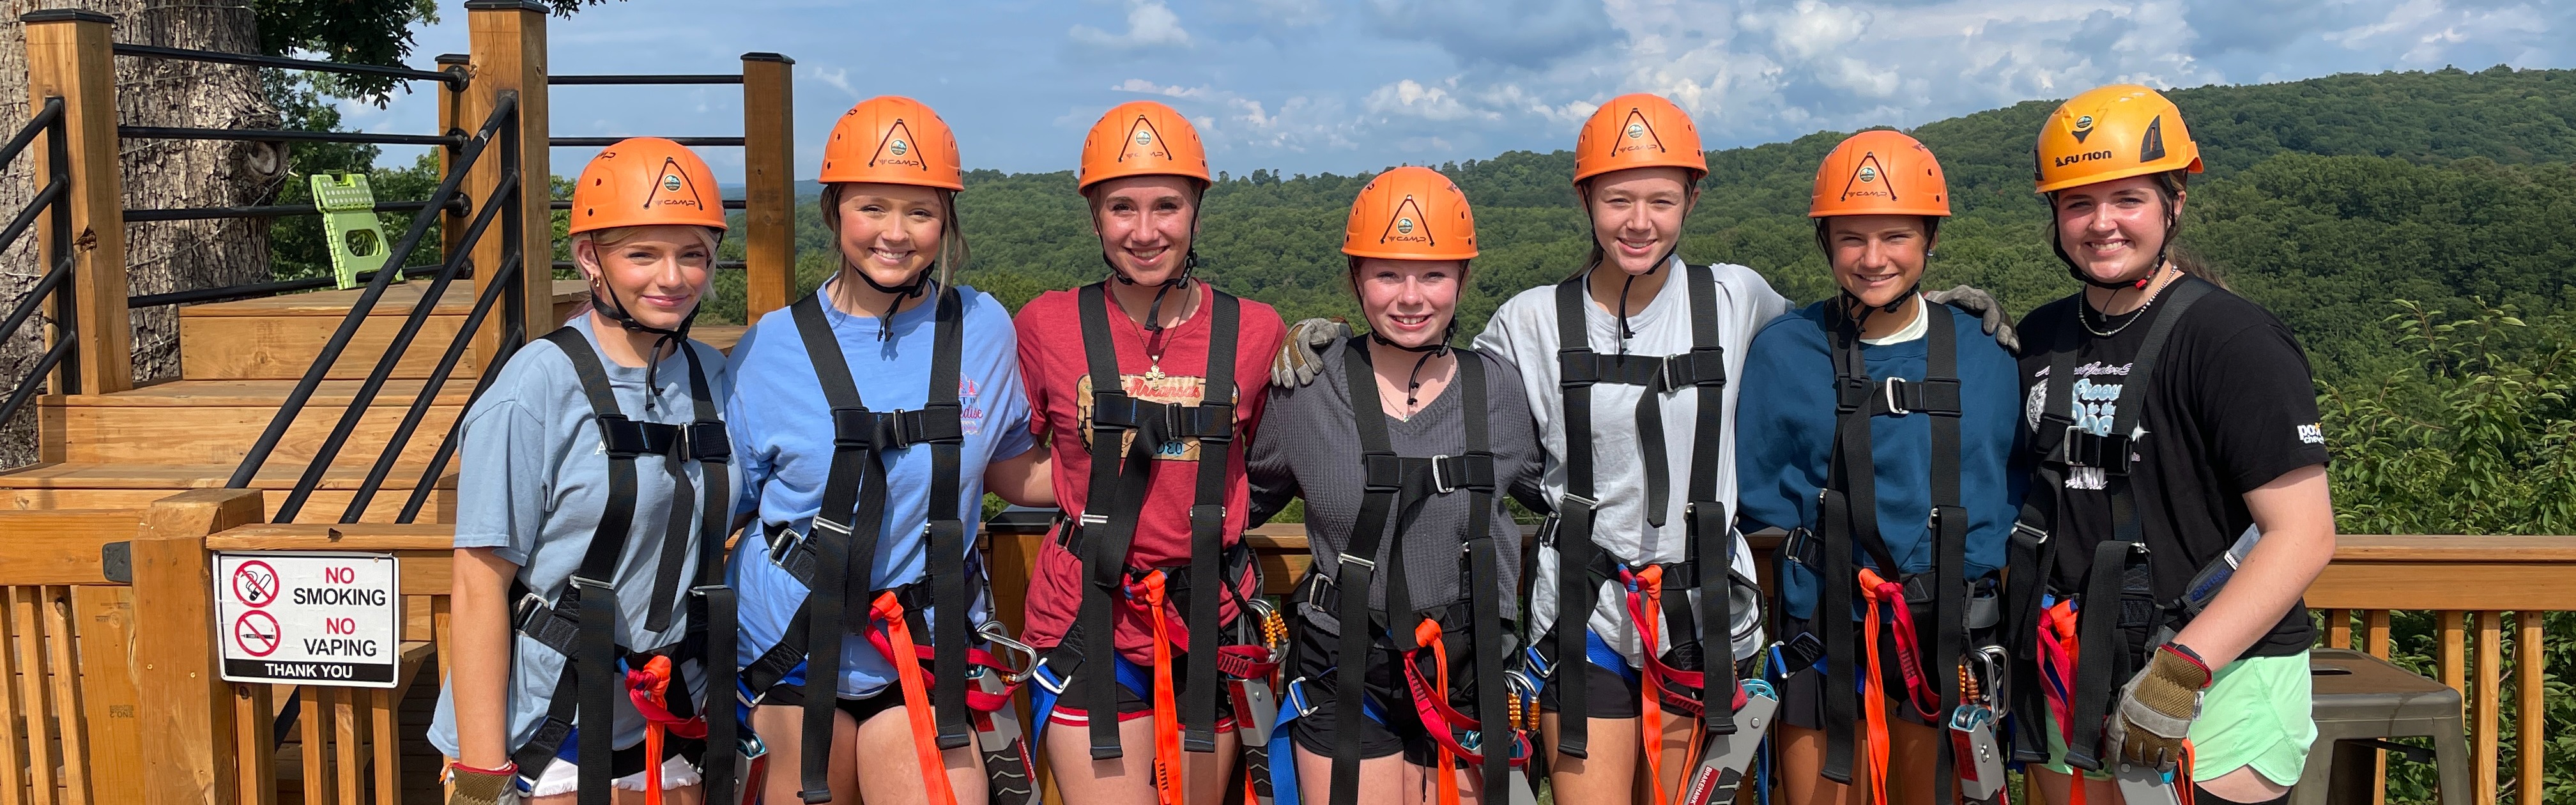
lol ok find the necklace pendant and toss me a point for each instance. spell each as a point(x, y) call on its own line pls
point(1154, 373)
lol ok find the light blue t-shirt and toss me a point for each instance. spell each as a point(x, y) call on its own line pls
point(782, 439)
point(532, 484)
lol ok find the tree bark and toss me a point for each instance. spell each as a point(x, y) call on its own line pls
point(165, 256)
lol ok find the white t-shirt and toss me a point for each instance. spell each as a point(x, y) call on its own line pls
point(1523, 332)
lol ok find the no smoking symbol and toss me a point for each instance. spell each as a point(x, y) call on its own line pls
point(255, 583)
point(256, 632)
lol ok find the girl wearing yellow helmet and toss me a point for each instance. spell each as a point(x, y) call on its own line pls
point(596, 454)
point(1641, 600)
point(2175, 436)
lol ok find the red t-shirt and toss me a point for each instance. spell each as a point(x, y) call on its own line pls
point(1056, 372)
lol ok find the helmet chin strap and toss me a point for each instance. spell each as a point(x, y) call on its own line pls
point(1154, 312)
point(616, 311)
point(1413, 379)
point(1847, 302)
point(885, 321)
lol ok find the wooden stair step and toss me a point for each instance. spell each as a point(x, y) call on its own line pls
point(84, 485)
point(277, 337)
point(215, 421)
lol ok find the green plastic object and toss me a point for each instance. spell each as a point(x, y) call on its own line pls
point(349, 221)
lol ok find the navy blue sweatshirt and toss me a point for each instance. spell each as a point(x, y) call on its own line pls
point(1784, 435)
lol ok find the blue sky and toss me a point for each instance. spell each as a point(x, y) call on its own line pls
point(1356, 85)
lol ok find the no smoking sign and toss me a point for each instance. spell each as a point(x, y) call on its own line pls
point(309, 618)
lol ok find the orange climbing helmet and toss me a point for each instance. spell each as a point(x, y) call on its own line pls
point(1879, 172)
point(1142, 138)
point(2112, 132)
point(1411, 213)
point(1638, 131)
point(646, 181)
point(892, 139)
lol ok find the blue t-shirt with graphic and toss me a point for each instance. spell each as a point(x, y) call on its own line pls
point(782, 440)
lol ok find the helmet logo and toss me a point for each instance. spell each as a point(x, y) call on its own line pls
point(1143, 135)
point(1401, 229)
point(2083, 127)
point(1867, 174)
point(2152, 146)
point(1641, 132)
point(675, 188)
point(895, 149)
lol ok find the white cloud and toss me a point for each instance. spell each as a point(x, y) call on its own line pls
point(1143, 87)
point(1149, 24)
point(1432, 102)
point(836, 78)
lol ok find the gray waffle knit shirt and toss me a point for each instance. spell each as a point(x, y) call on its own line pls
point(1309, 447)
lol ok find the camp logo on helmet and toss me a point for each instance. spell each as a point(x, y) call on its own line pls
point(1640, 131)
point(1403, 229)
point(1144, 137)
point(2083, 127)
point(897, 143)
point(1868, 174)
point(671, 182)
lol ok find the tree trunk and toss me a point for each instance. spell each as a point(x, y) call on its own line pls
point(165, 256)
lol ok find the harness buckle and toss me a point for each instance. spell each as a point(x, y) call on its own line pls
point(592, 584)
point(1440, 476)
point(1895, 388)
point(1589, 504)
point(526, 610)
point(853, 428)
point(1686, 369)
point(1049, 682)
point(1369, 565)
point(622, 437)
point(2038, 535)
point(707, 443)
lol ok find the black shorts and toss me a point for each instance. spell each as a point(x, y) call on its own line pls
point(1607, 693)
point(860, 709)
point(1802, 697)
point(1315, 656)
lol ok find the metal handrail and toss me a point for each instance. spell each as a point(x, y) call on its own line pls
point(366, 395)
point(604, 142)
point(605, 80)
point(454, 79)
point(54, 283)
point(514, 336)
point(286, 135)
point(429, 388)
point(258, 289)
point(268, 211)
point(505, 109)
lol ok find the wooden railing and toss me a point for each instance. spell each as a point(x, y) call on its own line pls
point(2472, 586)
point(141, 715)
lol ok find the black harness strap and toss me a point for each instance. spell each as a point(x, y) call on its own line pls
point(843, 551)
point(1708, 518)
point(1396, 487)
point(1849, 516)
point(589, 601)
point(714, 620)
point(2117, 609)
point(1125, 433)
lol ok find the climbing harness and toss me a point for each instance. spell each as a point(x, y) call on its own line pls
point(1582, 567)
point(1397, 487)
point(2116, 613)
point(1126, 433)
point(580, 623)
point(834, 557)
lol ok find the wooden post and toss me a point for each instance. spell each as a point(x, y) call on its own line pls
point(68, 57)
point(189, 748)
point(769, 183)
point(509, 56)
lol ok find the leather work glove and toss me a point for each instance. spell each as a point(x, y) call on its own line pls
point(483, 787)
point(1303, 354)
point(2157, 708)
point(1984, 305)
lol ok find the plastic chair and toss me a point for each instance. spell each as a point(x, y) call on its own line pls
point(2362, 700)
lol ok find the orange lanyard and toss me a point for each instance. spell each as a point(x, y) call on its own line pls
point(916, 700)
point(1167, 715)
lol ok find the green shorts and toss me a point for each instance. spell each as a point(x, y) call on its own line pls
point(2255, 713)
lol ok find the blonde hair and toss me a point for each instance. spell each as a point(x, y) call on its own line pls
point(953, 253)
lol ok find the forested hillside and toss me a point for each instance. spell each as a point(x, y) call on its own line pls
point(2325, 199)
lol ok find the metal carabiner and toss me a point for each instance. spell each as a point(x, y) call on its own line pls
point(1988, 663)
point(1000, 636)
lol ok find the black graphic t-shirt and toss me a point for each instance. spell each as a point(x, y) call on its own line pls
point(2232, 407)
